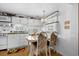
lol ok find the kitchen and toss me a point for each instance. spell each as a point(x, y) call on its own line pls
point(21, 25)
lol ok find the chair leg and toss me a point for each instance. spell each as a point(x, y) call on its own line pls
point(46, 51)
point(31, 49)
point(36, 52)
point(37, 49)
point(28, 47)
point(49, 52)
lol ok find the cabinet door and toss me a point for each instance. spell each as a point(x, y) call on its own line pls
point(3, 43)
point(50, 25)
point(15, 20)
point(23, 20)
point(13, 41)
point(16, 40)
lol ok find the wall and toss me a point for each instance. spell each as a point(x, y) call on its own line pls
point(67, 44)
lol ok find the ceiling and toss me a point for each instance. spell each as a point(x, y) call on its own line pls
point(29, 9)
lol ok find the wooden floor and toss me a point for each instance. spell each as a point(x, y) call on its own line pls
point(24, 52)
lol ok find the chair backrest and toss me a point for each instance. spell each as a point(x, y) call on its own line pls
point(42, 40)
point(53, 39)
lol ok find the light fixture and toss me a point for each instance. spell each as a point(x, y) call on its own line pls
point(43, 21)
point(43, 18)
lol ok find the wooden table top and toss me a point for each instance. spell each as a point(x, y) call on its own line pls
point(32, 40)
point(36, 40)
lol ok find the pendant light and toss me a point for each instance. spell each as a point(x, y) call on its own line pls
point(43, 21)
point(43, 18)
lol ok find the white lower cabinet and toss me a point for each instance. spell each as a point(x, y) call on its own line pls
point(13, 41)
point(16, 40)
point(3, 43)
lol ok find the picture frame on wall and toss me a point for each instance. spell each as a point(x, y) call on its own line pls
point(67, 24)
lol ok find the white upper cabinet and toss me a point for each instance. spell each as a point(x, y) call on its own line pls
point(15, 20)
point(23, 20)
point(54, 19)
point(5, 19)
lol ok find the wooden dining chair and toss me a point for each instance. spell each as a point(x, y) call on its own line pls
point(52, 42)
point(42, 44)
